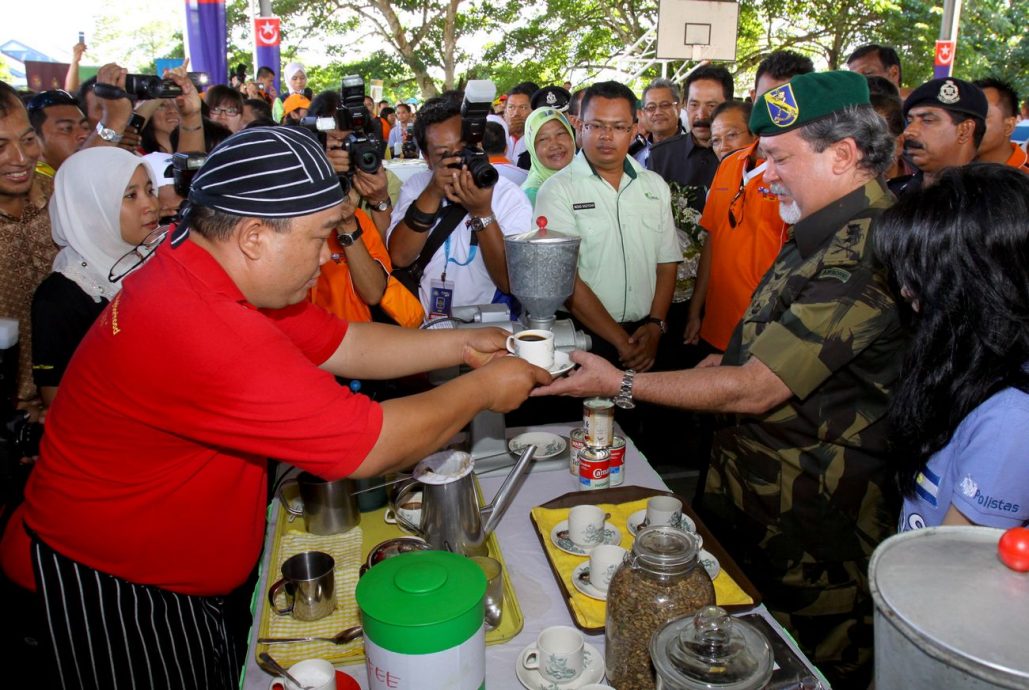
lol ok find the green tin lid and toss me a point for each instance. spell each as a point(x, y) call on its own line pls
point(422, 601)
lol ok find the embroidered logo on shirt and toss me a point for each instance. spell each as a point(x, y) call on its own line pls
point(584, 206)
point(782, 106)
point(968, 487)
point(836, 273)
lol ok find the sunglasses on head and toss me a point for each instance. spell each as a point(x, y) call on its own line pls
point(45, 99)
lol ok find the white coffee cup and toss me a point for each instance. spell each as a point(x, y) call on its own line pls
point(664, 510)
point(604, 561)
point(586, 525)
point(558, 654)
point(317, 674)
point(535, 346)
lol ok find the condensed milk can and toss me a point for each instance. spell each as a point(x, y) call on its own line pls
point(594, 468)
point(598, 419)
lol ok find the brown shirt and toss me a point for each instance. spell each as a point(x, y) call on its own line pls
point(27, 254)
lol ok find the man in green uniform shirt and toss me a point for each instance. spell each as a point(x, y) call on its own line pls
point(800, 489)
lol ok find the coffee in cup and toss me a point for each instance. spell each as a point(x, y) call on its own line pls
point(535, 346)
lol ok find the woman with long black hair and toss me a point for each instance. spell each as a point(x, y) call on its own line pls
point(958, 254)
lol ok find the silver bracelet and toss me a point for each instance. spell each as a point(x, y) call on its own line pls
point(624, 397)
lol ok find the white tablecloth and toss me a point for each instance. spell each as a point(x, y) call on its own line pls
point(538, 593)
point(405, 167)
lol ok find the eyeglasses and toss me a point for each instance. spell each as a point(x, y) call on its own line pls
point(228, 112)
point(45, 99)
point(518, 108)
point(607, 128)
point(733, 222)
point(652, 108)
point(138, 255)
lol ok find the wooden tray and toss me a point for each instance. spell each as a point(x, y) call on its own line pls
point(374, 530)
point(627, 494)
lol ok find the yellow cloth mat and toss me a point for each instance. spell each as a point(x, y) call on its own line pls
point(345, 549)
point(590, 612)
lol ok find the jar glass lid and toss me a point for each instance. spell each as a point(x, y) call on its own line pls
point(666, 548)
point(711, 650)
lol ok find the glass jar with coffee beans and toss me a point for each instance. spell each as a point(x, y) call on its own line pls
point(661, 580)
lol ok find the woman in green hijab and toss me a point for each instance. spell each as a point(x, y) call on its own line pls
point(551, 145)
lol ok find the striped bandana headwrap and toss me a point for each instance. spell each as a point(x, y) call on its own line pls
point(264, 172)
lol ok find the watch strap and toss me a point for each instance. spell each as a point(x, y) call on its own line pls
point(110, 92)
point(108, 134)
point(624, 397)
point(348, 239)
point(660, 323)
point(478, 224)
point(383, 205)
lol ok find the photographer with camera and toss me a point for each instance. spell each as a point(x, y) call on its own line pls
point(462, 198)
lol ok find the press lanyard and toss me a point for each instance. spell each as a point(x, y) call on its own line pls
point(472, 251)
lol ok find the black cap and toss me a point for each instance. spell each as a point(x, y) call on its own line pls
point(551, 97)
point(949, 93)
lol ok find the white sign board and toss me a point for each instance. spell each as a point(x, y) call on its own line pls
point(697, 30)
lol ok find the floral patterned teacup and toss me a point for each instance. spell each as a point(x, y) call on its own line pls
point(586, 526)
point(557, 655)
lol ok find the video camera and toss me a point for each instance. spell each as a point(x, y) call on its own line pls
point(477, 104)
point(364, 147)
point(146, 86)
point(184, 169)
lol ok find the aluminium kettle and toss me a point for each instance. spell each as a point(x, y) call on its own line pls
point(451, 519)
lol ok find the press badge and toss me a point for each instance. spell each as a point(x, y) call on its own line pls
point(441, 297)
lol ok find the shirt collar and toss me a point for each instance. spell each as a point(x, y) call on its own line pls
point(812, 232)
point(630, 166)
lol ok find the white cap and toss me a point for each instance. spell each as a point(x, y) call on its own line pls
point(8, 333)
point(160, 166)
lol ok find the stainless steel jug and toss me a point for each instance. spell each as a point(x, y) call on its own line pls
point(329, 507)
point(451, 517)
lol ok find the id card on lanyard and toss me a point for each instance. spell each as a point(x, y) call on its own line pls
point(441, 291)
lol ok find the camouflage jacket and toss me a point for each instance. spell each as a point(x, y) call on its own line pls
point(808, 482)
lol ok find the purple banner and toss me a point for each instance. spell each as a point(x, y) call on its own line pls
point(208, 40)
point(268, 56)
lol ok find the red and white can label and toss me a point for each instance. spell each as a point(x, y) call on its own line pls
point(594, 469)
point(576, 442)
point(617, 450)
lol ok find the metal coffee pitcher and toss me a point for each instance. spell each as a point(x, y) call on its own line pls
point(328, 506)
point(451, 517)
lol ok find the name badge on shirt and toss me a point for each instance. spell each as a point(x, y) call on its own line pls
point(441, 298)
point(583, 206)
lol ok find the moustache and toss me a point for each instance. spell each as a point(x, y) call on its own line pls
point(702, 123)
point(913, 144)
point(779, 189)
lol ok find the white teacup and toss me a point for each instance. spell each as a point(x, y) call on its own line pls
point(557, 654)
point(604, 561)
point(535, 346)
point(586, 525)
point(664, 510)
point(317, 674)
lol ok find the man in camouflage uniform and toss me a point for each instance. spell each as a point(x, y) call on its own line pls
point(800, 491)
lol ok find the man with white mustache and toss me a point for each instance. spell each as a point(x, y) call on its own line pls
point(801, 489)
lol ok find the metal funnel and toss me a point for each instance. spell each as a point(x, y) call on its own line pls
point(541, 268)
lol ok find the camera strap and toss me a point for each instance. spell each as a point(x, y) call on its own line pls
point(440, 234)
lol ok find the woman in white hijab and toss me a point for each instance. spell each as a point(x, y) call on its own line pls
point(296, 82)
point(104, 204)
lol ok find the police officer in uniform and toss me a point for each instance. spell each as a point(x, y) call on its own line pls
point(800, 489)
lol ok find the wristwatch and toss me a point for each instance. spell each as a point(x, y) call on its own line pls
point(107, 134)
point(347, 239)
point(478, 224)
point(661, 324)
point(624, 397)
point(383, 205)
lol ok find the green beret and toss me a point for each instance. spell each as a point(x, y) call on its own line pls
point(806, 98)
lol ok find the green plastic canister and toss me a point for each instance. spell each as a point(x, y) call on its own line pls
point(422, 614)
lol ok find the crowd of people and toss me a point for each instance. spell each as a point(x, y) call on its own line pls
point(827, 277)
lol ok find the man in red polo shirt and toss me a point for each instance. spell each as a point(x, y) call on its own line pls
point(148, 501)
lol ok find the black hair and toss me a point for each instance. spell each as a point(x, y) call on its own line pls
point(891, 108)
point(713, 73)
point(85, 88)
point(881, 86)
point(494, 139)
point(262, 122)
point(526, 88)
point(612, 90)
point(744, 107)
point(887, 56)
point(261, 109)
point(783, 64)
point(264, 71)
point(218, 225)
point(8, 97)
point(325, 104)
point(435, 111)
point(575, 104)
point(219, 93)
point(385, 112)
point(980, 125)
point(1008, 95)
point(405, 105)
point(214, 134)
point(959, 248)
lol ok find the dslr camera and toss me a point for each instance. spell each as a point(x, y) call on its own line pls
point(146, 86)
point(477, 104)
point(364, 147)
